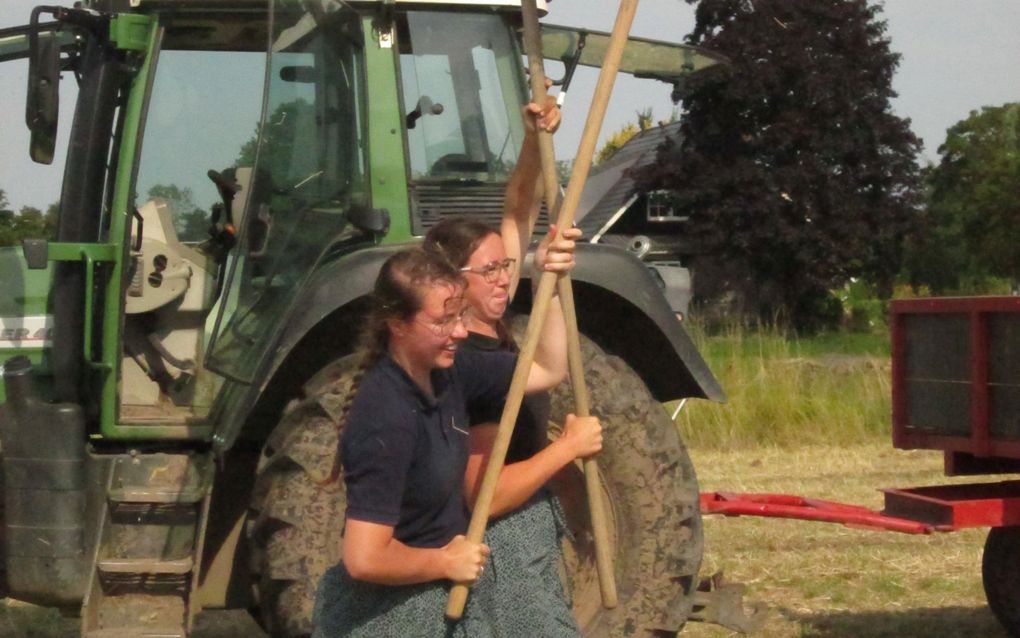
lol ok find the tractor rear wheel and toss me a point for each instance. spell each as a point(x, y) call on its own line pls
point(648, 480)
point(1000, 571)
point(296, 516)
point(651, 495)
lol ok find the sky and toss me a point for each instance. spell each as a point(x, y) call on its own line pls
point(957, 56)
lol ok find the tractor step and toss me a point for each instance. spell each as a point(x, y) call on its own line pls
point(145, 566)
point(150, 546)
point(134, 633)
point(159, 478)
point(139, 615)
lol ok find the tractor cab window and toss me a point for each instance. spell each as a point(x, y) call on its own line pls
point(462, 91)
point(308, 178)
point(203, 113)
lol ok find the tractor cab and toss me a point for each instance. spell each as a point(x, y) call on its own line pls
point(253, 146)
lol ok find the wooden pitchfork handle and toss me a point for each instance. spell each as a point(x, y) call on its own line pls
point(596, 506)
point(547, 281)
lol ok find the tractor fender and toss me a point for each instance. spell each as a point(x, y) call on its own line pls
point(619, 306)
point(322, 323)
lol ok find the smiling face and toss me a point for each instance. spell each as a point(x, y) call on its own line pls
point(488, 299)
point(429, 339)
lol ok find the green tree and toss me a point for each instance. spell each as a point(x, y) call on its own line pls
point(190, 221)
point(626, 132)
point(287, 129)
point(564, 168)
point(30, 222)
point(27, 223)
point(973, 206)
point(790, 161)
point(6, 221)
point(616, 142)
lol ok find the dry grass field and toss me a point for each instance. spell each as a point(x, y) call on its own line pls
point(818, 580)
point(821, 580)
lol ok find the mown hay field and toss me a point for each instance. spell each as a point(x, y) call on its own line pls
point(821, 580)
point(812, 417)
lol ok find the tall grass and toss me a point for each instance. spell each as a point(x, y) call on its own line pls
point(785, 391)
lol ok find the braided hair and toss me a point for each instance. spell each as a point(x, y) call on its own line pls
point(456, 239)
point(398, 294)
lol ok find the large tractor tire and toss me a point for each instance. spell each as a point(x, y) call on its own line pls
point(297, 514)
point(651, 493)
point(1000, 571)
point(649, 487)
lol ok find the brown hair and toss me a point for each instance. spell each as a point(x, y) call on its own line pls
point(456, 239)
point(398, 294)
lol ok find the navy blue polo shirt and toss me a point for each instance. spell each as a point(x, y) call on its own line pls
point(404, 453)
point(531, 431)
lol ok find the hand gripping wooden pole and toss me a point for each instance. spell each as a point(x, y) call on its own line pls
point(596, 506)
point(546, 285)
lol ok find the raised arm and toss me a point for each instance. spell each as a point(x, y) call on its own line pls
point(370, 553)
point(550, 364)
point(524, 190)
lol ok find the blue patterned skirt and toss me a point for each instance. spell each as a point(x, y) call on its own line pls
point(519, 595)
point(525, 597)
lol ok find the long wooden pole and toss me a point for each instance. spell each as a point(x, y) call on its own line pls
point(596, 507)
point(547, 282)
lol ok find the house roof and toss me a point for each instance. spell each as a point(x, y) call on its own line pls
point(609, 186)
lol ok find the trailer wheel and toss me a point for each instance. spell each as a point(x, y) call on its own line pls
point(651, 492)
point(648, 480)
point(1000, 571)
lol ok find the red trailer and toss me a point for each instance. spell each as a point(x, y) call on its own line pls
point(956, 388)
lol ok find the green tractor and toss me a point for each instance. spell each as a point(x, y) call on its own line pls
point(170, 375)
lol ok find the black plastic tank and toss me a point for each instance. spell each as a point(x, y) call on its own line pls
point(43, 462)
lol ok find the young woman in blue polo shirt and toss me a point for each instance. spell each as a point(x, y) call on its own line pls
point(404, 450)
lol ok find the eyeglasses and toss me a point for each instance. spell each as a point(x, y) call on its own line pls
point(491, 271)
point(444, 327)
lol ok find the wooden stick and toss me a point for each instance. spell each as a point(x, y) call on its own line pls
point(596, 507)
point(547, 283)
point(483, 504)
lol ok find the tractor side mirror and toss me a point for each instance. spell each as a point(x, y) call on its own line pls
point(43, 100)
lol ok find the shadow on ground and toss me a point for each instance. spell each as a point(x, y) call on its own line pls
point(27, 621)
point(944, 622)
point(21, 620)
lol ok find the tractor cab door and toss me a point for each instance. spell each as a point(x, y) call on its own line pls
point(303, 178)
point(202, 105)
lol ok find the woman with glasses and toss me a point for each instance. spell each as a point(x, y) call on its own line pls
point(404, 450)
point(527, 597)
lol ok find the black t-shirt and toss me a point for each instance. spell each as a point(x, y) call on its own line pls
point(404, 453)
point(531, 429)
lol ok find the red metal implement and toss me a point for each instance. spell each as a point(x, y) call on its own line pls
point(953, 507)
point(917, 510)
point(806, 509)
